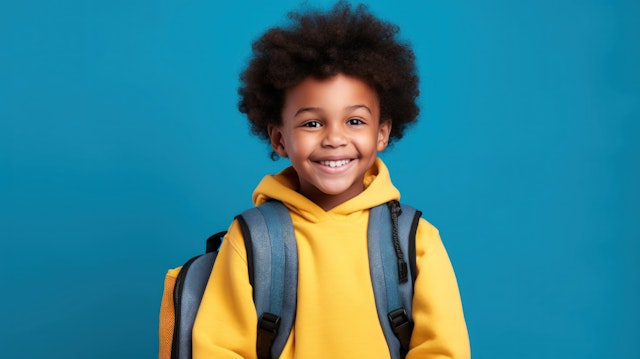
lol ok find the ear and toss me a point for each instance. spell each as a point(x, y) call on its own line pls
point(384, 130)
point(276, 139)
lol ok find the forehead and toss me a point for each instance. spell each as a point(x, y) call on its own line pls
point(340, 91)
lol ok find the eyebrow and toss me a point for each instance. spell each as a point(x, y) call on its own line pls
point(318, 109)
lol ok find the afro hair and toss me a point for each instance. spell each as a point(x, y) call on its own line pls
point(321, 45)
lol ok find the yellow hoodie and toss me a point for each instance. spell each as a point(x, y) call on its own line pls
point(336, 315)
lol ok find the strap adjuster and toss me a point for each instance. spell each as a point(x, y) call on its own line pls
point(268, 326)
point(269, 323)
point(402, 327)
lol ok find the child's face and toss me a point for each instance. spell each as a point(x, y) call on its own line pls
point(331, 131)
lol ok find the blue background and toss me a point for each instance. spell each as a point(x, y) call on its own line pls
point(121, 149)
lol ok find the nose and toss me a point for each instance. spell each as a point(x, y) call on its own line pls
point(334, 136)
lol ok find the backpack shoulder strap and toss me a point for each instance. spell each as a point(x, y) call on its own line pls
point(187, 295)
point(391, 245)
point(412, 215)
point(273, 272)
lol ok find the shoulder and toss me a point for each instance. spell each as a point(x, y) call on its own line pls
point(428, 239)
point(234, 241)
point(426, 229)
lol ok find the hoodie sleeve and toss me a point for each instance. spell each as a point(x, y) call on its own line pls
point(225, 326)
point(440, 330)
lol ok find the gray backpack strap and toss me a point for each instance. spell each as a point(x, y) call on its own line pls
point(273, 258)
point(391, 230)
point(187, 295)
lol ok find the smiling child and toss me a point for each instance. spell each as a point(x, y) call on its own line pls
point(329, 91)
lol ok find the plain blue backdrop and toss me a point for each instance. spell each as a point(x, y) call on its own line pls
point(121, 149)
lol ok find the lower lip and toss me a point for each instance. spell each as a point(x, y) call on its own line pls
point(334, 170)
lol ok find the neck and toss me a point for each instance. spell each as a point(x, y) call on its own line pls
point(329, 201)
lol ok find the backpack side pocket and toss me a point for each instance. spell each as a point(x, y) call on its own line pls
point(167, 314)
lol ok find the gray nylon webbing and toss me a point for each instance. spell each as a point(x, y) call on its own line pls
point(275, 263)
point(389, 293)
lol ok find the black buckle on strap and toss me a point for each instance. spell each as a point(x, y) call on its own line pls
point(268, 326)
point(402, 327)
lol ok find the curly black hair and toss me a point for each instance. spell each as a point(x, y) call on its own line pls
point(322, 44)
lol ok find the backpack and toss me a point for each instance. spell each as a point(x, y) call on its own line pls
point(272, 256)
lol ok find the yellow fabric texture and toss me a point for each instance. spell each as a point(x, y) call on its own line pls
point(336, 315)
point(167, 314)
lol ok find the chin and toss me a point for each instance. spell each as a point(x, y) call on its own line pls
point(337, 191)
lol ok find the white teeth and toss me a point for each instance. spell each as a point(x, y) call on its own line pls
point(335, 163)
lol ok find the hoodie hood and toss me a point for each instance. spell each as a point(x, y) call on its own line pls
point(283, 187)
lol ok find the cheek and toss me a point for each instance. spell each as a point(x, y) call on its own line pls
point(373, 142)
point(302, 142)
point(288, 141)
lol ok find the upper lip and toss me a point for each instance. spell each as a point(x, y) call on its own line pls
point(334, 158)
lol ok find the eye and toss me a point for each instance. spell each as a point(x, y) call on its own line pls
point(312, 123)
point(355, 121)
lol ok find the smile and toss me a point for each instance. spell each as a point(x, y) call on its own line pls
point(339, 163)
